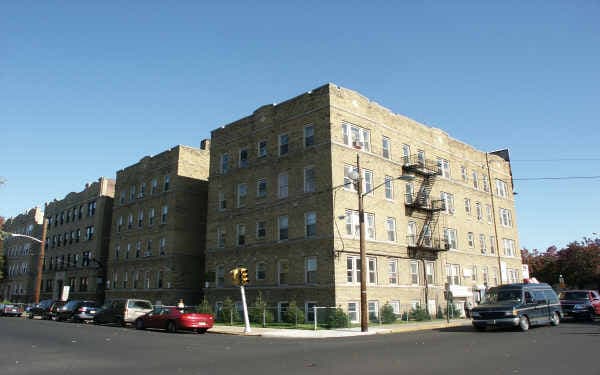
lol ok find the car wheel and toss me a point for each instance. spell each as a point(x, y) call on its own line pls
point(139, 324)
point(523, 323)
point(171, 327)
point(555, 319)
point(201, 331)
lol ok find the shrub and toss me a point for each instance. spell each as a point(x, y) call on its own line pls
point(228, 312)
point(259, 312)
point(419, 314)
point(204, 307)
point(387, 314)
point(453, 311)
point(336, 318)
point(293, 315)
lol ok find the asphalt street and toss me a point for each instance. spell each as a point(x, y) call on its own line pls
point(47, 347)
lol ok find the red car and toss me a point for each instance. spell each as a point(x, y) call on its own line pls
point(173, 319)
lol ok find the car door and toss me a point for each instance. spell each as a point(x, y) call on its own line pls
point(541, 308)
point(595, 300)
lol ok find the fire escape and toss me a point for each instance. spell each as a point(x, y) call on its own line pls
point(425, 244)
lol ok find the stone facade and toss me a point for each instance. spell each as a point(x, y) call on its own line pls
point(158, 227)
point(21, 256)
point(281, 205)
point(77, 242)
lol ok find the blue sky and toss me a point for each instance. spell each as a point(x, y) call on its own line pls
point(87, 88)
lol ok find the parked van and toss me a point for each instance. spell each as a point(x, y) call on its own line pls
point(518, 305)
point(122, 311)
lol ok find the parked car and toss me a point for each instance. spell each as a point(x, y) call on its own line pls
point(10, 310)
point(580, 304)
point(517, 305)
point(43, 309)
point(77, 311)
point(56, 306)
point(122, 311)
point(173, 319)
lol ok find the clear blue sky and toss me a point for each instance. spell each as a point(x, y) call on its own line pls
point(87, 88)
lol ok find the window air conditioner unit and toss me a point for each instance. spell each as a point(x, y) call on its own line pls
point(447, 246)
point(357, 144)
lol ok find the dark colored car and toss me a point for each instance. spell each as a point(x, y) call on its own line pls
point(122, 311)
point(518, 305)
point(43, 309)
point(173, 319)
point(10, 310)
point(77, 311)
point(580, 304)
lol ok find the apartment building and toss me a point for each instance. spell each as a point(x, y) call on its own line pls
point(77, 243)
point(158, 231)
point(283, 203)
point(21, 256)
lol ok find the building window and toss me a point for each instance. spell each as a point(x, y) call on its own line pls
point(310, 224)
point(147, 278)
point(128, 251)
point(167, 183)
point(450, 238)
point(488, 212)
point(148, 252)
point(356, 137)
point(261, 229)
point(470, 239)
point(162, 245)
point(505, 217)
point(509, 247)
point(453, 274)
point(151, 215)
point(390, 227)
point(125, 280)
point(89, 233)
point(83, 284)
point(222, 201)
point(154, 186)
point(142, 192)
point(372, 264)
point(130, 221)
point(220, 276)
point(310, 270)
point(429, 272)
point(224, 163)
point(283, 144)
point(392, 271)
point(121, 199)
point(414, 273)
point(353, 312)
point(475, 180)
point(115, 280)
point(241, 234)
point(353, 225)
point(484, 275)
point(485, 183)
point(448, 200)
point(367, 182)
point(91, 208)
point(309, 135)
point(221, 234)
point(136, 280)
point(464, 174)
point(261, 271)
point(282, 182)
point(478, 211)
point(283, 271)
point(243, 158)
point(261, 188)
point(138, 248)
point(493, 244)
point(282, 228)
point(385, 147)
point(310, 311)
point(119, 223)
point(262, 149)
point(389, 188)
point(242, 192)
point(131, 192)
point(501, 188)
point(163, 217)
point(159, 279)
point(411, 233)
point(482, 244)
point(468, 206)
point(140, 218)
point(282, 309)
point(373, 310)
point(309, 179)
point(349, 172)
point(353, 269)
point(474, 273)
point(405, 154)
point(443, 167)
point(117, 251)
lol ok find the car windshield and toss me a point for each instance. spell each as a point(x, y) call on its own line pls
point(574, 295)
point(506, 295)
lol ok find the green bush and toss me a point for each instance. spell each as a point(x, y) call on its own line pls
point(204, 307)
point(454, 311)
point(336, 318)
point(387, 314)
point(259, 312)
point(419, 314)
point(228, 312)
point(293, 315)
point(440, 312)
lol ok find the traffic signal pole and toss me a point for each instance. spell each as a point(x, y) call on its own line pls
point(246, 320)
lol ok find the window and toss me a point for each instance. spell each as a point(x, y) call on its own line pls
point(357, 137)
point(385, 147)
point(486, 184)
point(443, 167)
point(159, 279)
point(283, 144)
point(406, 154)
point(243, 158)
point(147, 278)
point(509, 247)
point(283, 271)
point(167, 183)
point(411, 233)
point(148, 248)
point(117, 251)
point(142, 192)
point(221, 234)
point(478, 211)
point(261, 271)
point(390, 227)
point(450, 238)
point(484, 275)
point(121, 200)
point(261, 188)
point(429, 272)
point(163, 217)
point(91, 208)
point(282, 188)
point(310, 223)
point(453, 274)
point(310, 270)
point(262, 149)
point(421, 158)
point(475, 180)
point(505, 217)
point(373, 307)
point(136, 279)
point(493, 244)
point(474, 273)
point(409, 192)
point(349, 172)
point(488, 212)
point(353, 312)
point(309, 135)
point(282, 227)
point(242, 191)
point(222, 201)
point(261, 229)
point(310, 311)
point(140, 218)
point(372, 265)
point(282, 309)
point(224, 163)
point(468, 206)
point(241, 234)
point(83, 284)
point(470, 239)
point(482, 243)
point(151, 215)
point(389, 188)
point(414, 272)
point(119, 223)
point(138, 248)
point(367, 182)
point(501, 188)
point(464, 174)
point(128, 251)
point(448, 200)
point(353, 269)
point(154, 186)
point(220, 276)
point(115, 280)
point(162, 246)
point(353, 226)
point(309, 179)
point(392, 271)
point(89, 233)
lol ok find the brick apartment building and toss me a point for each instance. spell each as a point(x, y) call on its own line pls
point(21, 256)
point(77, 242)
point(158, 227)
point(282, 203)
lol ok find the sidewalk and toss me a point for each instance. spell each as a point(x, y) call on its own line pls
point(341, 332)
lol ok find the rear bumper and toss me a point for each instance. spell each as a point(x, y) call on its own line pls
point(504, 322)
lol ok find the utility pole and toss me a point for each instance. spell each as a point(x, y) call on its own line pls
point(364, 310)
point(38, 278)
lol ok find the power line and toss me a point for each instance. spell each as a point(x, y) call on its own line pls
point(556, 178)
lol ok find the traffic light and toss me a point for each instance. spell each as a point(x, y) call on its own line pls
point(235, 276)
point(243, 276)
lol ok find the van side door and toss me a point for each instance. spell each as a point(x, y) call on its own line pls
point(541, 308)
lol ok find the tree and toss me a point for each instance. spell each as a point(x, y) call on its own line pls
point(1, 246)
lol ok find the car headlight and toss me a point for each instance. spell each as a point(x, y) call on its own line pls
point(475, 314)
point(512, 312)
